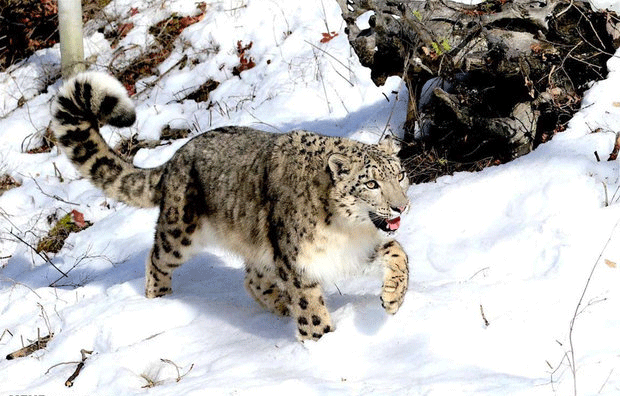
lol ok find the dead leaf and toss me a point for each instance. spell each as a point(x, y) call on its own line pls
point(124, 29)
point(327, 37)
point(78, 218)
point(536, 48)
point(555, 91)
point(245, 62)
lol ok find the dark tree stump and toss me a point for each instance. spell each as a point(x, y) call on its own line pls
point(487, 83)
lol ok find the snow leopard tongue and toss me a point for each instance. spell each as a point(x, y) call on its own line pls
point(393, 224)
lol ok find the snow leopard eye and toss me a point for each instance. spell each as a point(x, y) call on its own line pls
point(371, 184)
point(401, 176)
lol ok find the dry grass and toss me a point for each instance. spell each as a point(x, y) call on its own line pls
point(425, 164)
point(165, 32)
point(7, 182)
point(202, 93)
point(55, 239)
point(31, 25)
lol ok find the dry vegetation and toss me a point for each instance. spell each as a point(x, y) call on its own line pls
point(165, 32)
point(7, 182)
point(27, 26)
point(55, 238)
point(487, 82)
point(30, 25)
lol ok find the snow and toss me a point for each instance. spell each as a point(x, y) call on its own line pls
point(517, 243)
point(362, 21)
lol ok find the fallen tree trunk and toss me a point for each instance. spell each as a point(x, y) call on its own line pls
point(487, 82)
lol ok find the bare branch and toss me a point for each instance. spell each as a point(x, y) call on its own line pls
point(40, 254)
point(179, 376)
point(40, 343)
point(78, 369)
point(4, 332)
point(572, 361)
point(56, 197)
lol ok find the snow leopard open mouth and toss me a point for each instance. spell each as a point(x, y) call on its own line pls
point(385, 224)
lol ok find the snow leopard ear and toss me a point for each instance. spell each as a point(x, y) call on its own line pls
point(339, 164)
point(389, 144)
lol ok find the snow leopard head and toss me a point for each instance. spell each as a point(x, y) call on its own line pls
point(370, 184)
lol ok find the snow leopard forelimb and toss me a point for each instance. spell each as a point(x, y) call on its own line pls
point(395, 275)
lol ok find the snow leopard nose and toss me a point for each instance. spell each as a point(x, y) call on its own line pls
point(399, 209)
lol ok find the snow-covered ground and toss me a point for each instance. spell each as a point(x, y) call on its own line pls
point(515, 245)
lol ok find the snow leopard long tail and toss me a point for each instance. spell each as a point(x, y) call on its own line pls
point(83, 103)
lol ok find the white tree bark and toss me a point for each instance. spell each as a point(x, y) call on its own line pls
point(71, 41)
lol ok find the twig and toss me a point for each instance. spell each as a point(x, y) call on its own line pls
point(387, 123)
point(150, 383)
point(613, 197)
point(261, 122)
point(410, 106)
point(320, 73)
point(45, 319)
point(324, 16)
point(7, 217)
point(559, 14)
point(158, 79)
point(40, 343)
point(614, 153)
point(484, 318)
point(56, 197)
point(78, 369)
point(334, 58)
point(591, 27)
point(572, 362)
point(57, 173)
point(477, 272)
point(21, 284)
point(59, 364)
point(568, 55)
point(179, 376)
point(605, 383)
point(4, 332)
point(42, 255)
point(77, 262)
point(236, 8)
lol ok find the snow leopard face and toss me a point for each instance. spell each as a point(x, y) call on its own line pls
point(370, 186)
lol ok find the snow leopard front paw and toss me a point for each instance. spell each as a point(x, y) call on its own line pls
point(395, 276)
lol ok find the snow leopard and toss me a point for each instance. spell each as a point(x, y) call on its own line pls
point(300, 208)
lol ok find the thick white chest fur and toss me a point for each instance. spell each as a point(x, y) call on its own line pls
point(337, 252)
point(334, 253)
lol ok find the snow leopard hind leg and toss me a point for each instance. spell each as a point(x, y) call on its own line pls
point(181, 213)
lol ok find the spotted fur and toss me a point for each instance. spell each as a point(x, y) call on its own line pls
point(300, 208)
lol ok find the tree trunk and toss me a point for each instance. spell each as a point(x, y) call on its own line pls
point(71, 42)
point(487, 82)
